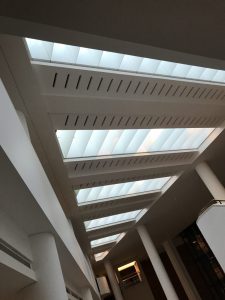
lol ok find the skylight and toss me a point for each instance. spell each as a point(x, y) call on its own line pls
point(101, 255)
point(111, 220)
point(93, 58)
point(94, 143)
point(119, 190)
point(107, 240)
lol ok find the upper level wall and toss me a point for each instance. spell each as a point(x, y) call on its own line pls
point(14, 236)
point(17, 146)
point(212, 225)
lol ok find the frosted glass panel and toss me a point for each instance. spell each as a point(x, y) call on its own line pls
point(93, 143)
point(149, 66)
point(130, 63)
point(120, 189)
point(111, 220)
point(88, 56)
point(105, 240)
point(111, 60)
point(63, 53)
point(76, 55)
point(39, 49)
point(165, 68)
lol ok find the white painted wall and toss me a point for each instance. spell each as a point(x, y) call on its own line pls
point(18, 148)
point(16, 266)
point(11, 234)
point(50, 284)
point(212, 225)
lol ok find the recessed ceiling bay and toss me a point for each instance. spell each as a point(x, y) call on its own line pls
point(97, 143)
point(120, 190)
point(94, 58)
point(106, 240)
point(111, 220)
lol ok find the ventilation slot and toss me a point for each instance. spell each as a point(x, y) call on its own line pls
point(160, 91)
point(89, 83)
point(117, 180)
point(14, 253)
point(153, 89)
point(118, 88)
point(54, 80)
point(127, 89)
point(67, 79)
point(90, 121)
point(78, 82)
point(99, 85)
point(112, 166)
point(109, 86)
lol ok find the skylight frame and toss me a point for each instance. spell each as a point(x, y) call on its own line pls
point(164, 180)
point(199, 73)
point(102, 157)
point(107, 241)
point(165, 135)
point(124, 197)
point(121, 218)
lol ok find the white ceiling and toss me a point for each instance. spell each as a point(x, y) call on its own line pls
point(49, 107)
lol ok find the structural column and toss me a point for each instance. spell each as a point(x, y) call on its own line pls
point(211, 181)
point(157, 264)
point(86, 294)
point(112, 278)
point(50, 283)
point(181, 271)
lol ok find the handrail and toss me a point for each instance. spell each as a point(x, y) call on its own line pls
point(211, 203)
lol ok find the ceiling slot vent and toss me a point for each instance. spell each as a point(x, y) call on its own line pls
point(110, 166)
point(105, 121)
point(80, 82)
point(54, 79)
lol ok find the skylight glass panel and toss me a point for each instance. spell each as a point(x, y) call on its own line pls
point(181, 70)
point(195, 72)
point(64, 53)
point(88, 56)
point(219, 76)
point(208, 74)
point(149, 66)
point(39, 49)
point(111, 220)
point(165, 68)
point(94, 143)
point(113, 191)
point(94, 58)
point(131, 63)
point(111, 60)
point(107, 240)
